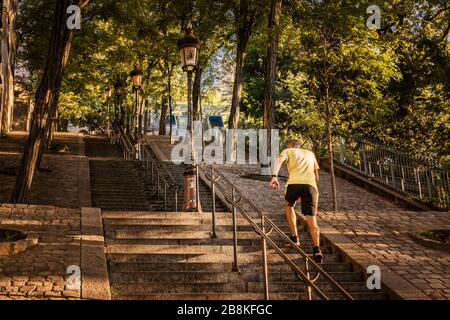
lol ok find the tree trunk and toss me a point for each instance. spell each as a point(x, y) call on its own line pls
point(244, 25)
point(8, 57)
point(162, 120)
point(330, 155)
point(271, 70)
point(46, 94)
point(29, 114)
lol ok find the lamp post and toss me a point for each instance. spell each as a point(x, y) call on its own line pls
point(108, 94)
point(118, 90)
point(189, 47)
point(136, 79)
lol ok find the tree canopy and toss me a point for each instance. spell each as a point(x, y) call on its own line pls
point(391, 84)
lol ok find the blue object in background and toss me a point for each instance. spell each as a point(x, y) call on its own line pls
point(216, 121)
point(171, 120)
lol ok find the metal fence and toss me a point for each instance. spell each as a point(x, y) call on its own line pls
point(418, 178)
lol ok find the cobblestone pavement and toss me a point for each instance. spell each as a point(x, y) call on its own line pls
point(58, 187)
point(375, 224)
point(40, 271)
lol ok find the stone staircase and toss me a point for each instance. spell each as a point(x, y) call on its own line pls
point(125, 185)
point(155, 255)
point(168, 255)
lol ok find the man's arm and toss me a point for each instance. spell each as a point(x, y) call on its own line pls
point(274, 184)
point(316, 170)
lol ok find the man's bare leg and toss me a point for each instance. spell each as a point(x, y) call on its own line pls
point(292, 218)
point(314, 230)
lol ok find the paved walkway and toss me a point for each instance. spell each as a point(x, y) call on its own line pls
point(377, 226)
point(40, 271)
point(61, 185)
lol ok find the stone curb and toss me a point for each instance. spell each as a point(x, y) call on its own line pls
point(84, 176)
point(94, 271)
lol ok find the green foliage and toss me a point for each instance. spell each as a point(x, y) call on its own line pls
point(392, 85)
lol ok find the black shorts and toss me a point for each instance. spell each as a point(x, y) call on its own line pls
point(308, 198)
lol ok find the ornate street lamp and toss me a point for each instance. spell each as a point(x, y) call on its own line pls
point(136, 79)
point(189, 47)
point(189, 50)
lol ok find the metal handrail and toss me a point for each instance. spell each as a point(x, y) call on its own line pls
point(153, 166)
point(150, 162)
point(129, 150)
point(413, 176)
point(237, 206)
point(162, 165)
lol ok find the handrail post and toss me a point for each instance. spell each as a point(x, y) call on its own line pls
point(176, 198)
point(213, 200)
point(235, 241)
point(165, 195)
point(157, 183)
point(264, 259)
point(308, 288)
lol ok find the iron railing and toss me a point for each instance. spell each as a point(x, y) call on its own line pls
point(129, 149)
point(154, 168)
point(417, 178)
point(160, 176)
point(240, 204)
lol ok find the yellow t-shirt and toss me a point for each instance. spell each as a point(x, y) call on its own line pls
point(301, 164)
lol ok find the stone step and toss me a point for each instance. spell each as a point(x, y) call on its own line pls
point(183, 219)
point(187, 225)
point(211, 276)
point(255, 256)
point(228, 287)
point(174, 221)
point(194, 234)
point(245, 296)
point(178, 225)
point(254, 243)
point(299, 286)
point(160, 215)
point(117, 198)
point(119, 185)
point(198, 249)
point(192, 266)
point(124, 206)
point(121, 189)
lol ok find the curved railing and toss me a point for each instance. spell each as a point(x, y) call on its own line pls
point(119, 137)
point(158, 173)
point(242, 205)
